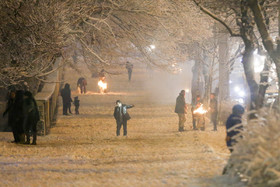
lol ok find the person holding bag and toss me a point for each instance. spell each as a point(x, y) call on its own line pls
point(121, 116)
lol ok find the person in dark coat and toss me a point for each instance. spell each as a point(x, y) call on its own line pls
point(66, 98)
point(234, 125)
point(129, 67)
point(9, 106)
point(121, 116)
point(181, 109)
point(17, 117)
point(213, 110)
point(31, 117)
point(82, 84)
point(76, 104)
point(195, 105)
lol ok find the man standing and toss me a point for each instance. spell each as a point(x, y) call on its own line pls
point(66, 98)
point(129, 68)
point(121, 116)
point(181, 109)
point(213, 110)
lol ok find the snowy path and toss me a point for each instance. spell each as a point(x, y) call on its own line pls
point(84, 151)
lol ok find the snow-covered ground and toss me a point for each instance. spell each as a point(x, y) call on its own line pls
point(82, 150)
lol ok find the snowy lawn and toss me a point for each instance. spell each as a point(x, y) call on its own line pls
point(82, 150)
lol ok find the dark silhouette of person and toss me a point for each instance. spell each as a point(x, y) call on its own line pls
point(234, 125)
point(17, 117)
point(181, 109)
point(31, 117)
point(82, 83)
point(9, 106)
point(213, 110)
point(129, 67)
point(76, 104)
point(101, 75)
point(66, 98)
point(121, 116)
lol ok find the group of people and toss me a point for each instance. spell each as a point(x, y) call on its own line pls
point(23, 116)
point(233, 123)
point(198, 120)
point(67, 100)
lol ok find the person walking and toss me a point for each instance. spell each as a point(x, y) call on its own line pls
point(81, 84)
point(31, 117)
point(66, 98)
point(234, 126)
point(121, 116)
point(129, 67)
point(181, 109)
point(213, 110)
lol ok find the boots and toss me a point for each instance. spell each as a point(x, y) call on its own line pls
point(34, 138)
point(27, 139)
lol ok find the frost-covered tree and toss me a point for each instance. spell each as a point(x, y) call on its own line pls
point(33, 33)
point(237, 17)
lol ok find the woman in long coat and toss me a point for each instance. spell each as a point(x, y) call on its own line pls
point(31, 117)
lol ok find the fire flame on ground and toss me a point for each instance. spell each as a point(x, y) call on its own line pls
point(200, 110)
point(102, 85)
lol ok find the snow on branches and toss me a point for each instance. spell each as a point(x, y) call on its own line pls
point(33, 33)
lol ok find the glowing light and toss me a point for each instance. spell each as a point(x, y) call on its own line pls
point(187, 90)
point(152, 46)
point(241, 94)
point(236, 89)
point(102, 86)
point(200, 110)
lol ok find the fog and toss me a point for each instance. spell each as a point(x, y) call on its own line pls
point(164, 86)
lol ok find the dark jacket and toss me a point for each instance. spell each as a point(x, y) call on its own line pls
point(213, 106)
point(31, 114)
point(120, 113)
point(66, 95)
point(76, 102)
point(81, 82)
point(181, 106)
point(231, 125)
point(8, 110)
point(129, 66)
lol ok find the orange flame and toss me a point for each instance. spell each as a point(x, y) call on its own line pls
point(200, 110)
point(102, 85)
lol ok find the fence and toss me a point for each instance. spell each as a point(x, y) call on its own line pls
point(47, 100)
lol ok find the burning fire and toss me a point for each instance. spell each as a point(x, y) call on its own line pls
point(102, 85)
point(200, 110)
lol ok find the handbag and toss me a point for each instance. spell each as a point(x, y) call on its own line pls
point(127, 116)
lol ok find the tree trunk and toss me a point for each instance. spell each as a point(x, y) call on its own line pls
point(263, 85)
point(248, 64)
point(223, 67)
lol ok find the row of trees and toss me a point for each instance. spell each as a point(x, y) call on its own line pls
point(256, 23)
point(33, 33)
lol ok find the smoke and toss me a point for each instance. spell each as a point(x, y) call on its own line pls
point(164, 87)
